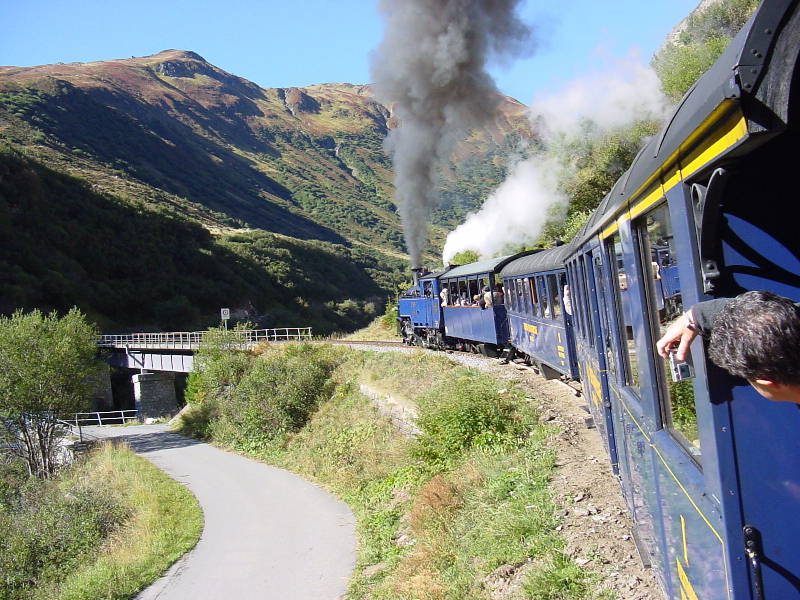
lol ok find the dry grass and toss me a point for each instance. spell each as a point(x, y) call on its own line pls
point(378, 330)
point(166, 523)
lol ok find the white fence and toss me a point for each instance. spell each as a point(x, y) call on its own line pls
point(111, 417)
point(191, 340)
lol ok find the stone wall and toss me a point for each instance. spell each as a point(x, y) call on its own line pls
point(154, 394)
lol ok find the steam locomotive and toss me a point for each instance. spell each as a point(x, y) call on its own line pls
point(710, 470)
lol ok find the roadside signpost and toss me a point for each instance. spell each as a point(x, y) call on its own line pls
point(225, 314)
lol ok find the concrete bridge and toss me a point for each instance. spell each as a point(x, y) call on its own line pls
point(158, 356)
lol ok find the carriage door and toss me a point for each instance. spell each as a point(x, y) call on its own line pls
point(602, 409)
point(760, 251)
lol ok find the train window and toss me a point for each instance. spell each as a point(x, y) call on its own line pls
point(584, 304)
point(660, 261)
point(568, 287)
point(566, 293)
point(514, 292)
point(523, 296)
point(555, 295)
point(544, 301)
point(463, 292)
point(428, 287)
point(624, 310)
point(534, 297)
point(453, 296)
point(472, 290)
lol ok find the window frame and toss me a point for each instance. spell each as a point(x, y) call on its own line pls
point(662, 379)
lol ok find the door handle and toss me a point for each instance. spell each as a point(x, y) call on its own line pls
point(755, 551)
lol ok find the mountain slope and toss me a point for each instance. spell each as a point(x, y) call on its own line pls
point(305, 162)
point(171, 132)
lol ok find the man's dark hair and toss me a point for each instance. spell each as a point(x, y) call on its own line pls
point(757, 336)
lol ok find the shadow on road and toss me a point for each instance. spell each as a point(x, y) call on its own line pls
point(150, 442)
point(144, 441)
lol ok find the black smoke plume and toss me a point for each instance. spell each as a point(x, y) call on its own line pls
point(431, 69)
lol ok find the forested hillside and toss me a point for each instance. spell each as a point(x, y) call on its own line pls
point(150, 191)
point(128, 263)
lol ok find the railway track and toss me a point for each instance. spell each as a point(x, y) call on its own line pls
point(575, 386)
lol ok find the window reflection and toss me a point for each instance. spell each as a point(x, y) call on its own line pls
point(624, 312)
point(660, 260)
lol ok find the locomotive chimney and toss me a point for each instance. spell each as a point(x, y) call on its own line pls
point(416, 272)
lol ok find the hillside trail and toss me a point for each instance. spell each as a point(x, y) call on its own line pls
point(268, 533)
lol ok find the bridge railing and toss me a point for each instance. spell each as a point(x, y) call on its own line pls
point(111, 417)
point(191, 340)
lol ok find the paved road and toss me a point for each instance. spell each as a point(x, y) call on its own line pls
point(268, 533)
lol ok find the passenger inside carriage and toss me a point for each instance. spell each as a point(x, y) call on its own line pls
point(498, 297)
point(488, 300)
point(755, 335)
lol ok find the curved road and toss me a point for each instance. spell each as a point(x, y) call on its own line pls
point(268, 533)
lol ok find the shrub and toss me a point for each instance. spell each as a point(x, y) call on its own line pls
point(46, 531)
point(464, 413)
point(270, 395)
point(389, 319)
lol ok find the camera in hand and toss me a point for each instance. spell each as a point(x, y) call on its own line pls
point(680, 369)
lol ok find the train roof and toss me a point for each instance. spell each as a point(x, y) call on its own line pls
point(492, 265)
point(434, 274)
point(716, 88)
point(546, 260)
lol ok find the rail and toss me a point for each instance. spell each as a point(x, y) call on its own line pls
point(111, 417)
point(191, 340)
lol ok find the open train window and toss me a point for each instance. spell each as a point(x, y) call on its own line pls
point(660, 259)
point(534, 297)
point(541, 296)
point(566, 297)
point(572, 289)
point(554, 291)
point(624, 312)
point(473, 290)
point(523, 295)
point(452, 298)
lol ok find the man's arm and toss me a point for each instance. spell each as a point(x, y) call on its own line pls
point(698, 320)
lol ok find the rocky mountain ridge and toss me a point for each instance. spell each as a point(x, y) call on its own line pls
point(306, 162)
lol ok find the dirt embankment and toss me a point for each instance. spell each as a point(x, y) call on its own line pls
point(596, 524)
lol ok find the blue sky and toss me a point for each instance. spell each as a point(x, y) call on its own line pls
point(277, 43)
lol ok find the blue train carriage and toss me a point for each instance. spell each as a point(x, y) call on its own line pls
point(469, 323)
point(539, 307)
point(710, 470)
point(419, 311)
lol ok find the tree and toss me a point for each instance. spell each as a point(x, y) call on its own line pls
point(46, 367)
point(706, 34)
point(464, 257)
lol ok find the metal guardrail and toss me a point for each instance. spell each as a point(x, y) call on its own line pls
point(112, 417)
point(191, 340)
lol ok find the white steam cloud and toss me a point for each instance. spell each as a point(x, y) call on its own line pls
point(514, 214)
